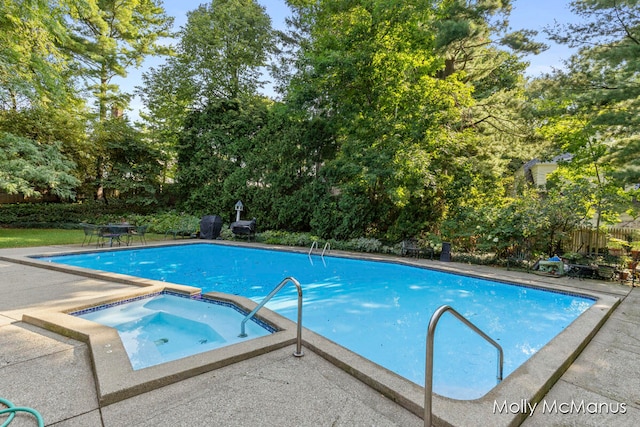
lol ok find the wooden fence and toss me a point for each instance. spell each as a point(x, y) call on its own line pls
point(588, 240)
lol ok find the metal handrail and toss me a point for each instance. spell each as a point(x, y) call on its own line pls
point(313, 245)
point(326, 245)
point(298, 352)
point(428, 374)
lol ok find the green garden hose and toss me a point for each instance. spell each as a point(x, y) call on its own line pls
point(11, 409)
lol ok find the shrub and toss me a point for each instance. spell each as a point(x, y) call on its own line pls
point(276, 237)
point(363, 244)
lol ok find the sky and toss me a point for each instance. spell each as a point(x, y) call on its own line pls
point(526, 14)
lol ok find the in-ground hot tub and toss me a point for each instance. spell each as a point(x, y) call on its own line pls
point(159, 328)
point(154, 346)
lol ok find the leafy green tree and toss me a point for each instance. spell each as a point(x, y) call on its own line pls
point(368, 70)
point(478, 48)
point(106, 37)
point(49, 125)
point(212, 148)
point(34, 169)
point(470, 36)
point(590, 108)
point(590, 170)
point(38, 97)
point(223, 49)
point(33, 68)
point(285, 163)
point(396, 80)
point(130, 166)
point(538, 221)
point(220, 56)
point(167, 101)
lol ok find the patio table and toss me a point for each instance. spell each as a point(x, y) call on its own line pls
point(115, 232)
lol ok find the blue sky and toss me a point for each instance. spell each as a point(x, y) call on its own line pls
point(529, 14)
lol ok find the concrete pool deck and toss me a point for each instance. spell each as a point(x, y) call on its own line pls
point(54, 374)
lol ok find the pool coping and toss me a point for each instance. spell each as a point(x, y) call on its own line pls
point(528, 384)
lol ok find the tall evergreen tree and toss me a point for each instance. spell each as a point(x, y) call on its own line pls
point(107, 37)
point(602, 80)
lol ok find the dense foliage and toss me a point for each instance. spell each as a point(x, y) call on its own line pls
point(32, 169)
point(394, 118)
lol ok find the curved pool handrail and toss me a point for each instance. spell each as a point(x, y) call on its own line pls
point(327, 246)
point(428, 371)
point(313, 245)
point(298, 352)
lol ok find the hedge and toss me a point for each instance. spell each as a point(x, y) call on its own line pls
point(66, 215)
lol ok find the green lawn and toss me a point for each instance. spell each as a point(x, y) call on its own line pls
point(27, 237)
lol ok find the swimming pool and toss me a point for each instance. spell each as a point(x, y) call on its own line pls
point(379, 310)
point(162, 327)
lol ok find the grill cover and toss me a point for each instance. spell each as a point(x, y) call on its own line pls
point(244, 227)
point(210, 227)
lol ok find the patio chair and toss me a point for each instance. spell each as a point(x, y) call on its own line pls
point(90, 230)
point(138, 231)
point(184, 228)
point(411, 247)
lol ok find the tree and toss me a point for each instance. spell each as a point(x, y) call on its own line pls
point(131, 167)
point(223, 49)
point(602, 80)
point(106, 38)
point(283, 166)
point(591, 171)
point(34, 169)
point(368, 69)
point(212, 148)
point(33, 68)
point(47, 125)
point(470, 34)
point(167, 100)
point(220, 55)
point(109, 36)
point(396, 82)
point(477, 46)
point(590, 175)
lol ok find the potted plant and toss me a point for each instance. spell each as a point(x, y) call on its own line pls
point(635, 250)
point(617, 247)
point(623, 275)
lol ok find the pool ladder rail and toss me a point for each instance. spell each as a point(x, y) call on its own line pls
point(298, 352)
point(326, 248)
point(428, 382)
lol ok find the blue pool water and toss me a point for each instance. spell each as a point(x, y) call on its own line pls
point(376, 309)
point(164, 327)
